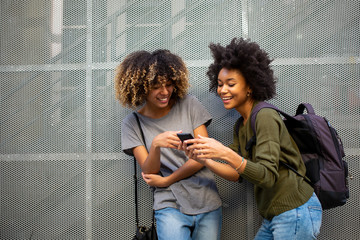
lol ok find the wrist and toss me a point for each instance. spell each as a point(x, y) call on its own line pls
point(239, 167)
point(155, 143)
point(169, 180)
point(229, 156)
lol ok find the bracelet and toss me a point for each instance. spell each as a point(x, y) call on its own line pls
point(242, 161)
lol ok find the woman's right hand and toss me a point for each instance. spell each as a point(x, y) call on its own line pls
point(190, 153)
point(167, 139)
point(204, 147)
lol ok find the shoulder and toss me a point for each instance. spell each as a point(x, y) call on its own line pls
point(188, 99)
point(268, 112)
point(189, 102)
point(268, 118)
point(129, 123)
point(129, 118)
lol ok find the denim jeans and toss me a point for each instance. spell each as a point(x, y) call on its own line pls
point(171, 224)
point(299, 223)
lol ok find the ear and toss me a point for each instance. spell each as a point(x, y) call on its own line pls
point(249, 91)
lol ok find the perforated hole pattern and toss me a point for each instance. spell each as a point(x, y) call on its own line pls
point(62, 172)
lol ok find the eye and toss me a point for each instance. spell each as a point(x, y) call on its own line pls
point(156, 86)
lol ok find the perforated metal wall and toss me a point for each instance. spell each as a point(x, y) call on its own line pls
point(62, 172)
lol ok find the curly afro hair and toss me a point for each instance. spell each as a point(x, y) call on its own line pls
point(250, 60)
point(141, 71)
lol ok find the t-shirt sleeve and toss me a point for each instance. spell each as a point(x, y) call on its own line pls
point(199, 114)
point(130, 135)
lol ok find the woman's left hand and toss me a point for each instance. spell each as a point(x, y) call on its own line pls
point(155, 180)
point(204, 148)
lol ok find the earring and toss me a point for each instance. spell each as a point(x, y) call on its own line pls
point(248, 94)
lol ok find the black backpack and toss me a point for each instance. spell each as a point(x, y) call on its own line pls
point(321, 150)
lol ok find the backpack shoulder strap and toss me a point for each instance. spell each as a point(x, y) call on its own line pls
point(255, 111)
point(262, 105)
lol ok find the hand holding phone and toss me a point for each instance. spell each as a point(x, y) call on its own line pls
point(185, 136)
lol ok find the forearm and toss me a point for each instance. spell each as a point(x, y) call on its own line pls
point(223, 170)
point(186, 170)
point(230, 170)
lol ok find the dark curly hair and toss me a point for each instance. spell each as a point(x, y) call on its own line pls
point(141, 71)
point(250, 60)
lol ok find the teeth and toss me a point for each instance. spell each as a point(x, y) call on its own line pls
point(162, 99)
point(226, 98)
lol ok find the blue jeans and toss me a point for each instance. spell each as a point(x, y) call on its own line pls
point(299, 223)
point(174, 225)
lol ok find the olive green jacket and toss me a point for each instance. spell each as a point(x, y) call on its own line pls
point(277, 189)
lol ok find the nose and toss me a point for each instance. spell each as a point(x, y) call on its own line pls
point(164, 89)
point(223, 89)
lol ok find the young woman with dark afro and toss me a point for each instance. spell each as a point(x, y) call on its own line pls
point(242, 76)
point(186, 200)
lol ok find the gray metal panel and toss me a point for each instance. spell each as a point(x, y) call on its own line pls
point(62, 172)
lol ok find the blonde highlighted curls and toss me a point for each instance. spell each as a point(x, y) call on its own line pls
point(141, 70)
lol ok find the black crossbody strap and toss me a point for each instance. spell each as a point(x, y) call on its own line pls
point(135, 178)
point(141, 131)
point(136, 196)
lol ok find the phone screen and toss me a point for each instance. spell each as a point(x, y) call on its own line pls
point(185, 136)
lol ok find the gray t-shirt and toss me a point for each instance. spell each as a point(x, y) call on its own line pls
point(194, 195)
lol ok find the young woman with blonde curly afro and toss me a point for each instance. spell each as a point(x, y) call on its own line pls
point(186, 200)
point(242, 76)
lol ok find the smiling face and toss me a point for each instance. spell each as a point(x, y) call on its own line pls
point(159, 96)
point(233, 89)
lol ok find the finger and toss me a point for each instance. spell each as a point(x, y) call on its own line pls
point(191, 143)
point(200, 151)
point(195, 146)
point(174, 134)
point(202, 137)
point(172, 143)
point(196, 141)
point(184, 147)
point(145, 179)
point(207, 155)
point(202, 156)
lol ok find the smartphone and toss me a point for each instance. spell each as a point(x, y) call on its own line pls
point(185, 136)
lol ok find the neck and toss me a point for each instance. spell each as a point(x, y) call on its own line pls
point(245, 110)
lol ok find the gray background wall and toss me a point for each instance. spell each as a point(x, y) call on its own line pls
point(62, 172)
